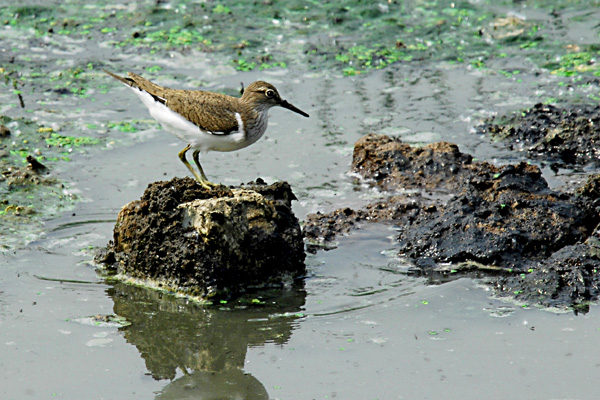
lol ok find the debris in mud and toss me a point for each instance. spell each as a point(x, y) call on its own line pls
point(591, 188)
point(205, 243)
point(4, 131)
point(103, 321)
point(26, 176)
point(502, 221)
point(29, 151)
point(34, 164)
point(561, 136)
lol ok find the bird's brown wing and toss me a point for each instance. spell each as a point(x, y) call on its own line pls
point(211, 112)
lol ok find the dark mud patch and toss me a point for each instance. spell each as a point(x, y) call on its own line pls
point(565, 137)
point(208, 243)
point(503, 222)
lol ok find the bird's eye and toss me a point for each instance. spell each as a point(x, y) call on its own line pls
point(270, 93)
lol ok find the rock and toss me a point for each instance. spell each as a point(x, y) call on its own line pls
point(507, 28)
point(568, 277)
point(392, 164)
point(563, 136)
point(498, 222)
point(182, 237)
point(505, 216)
point(34, 164)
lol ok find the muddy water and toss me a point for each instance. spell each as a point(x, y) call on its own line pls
point(361, 328)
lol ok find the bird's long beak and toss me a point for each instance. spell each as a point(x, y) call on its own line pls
point(293, 108)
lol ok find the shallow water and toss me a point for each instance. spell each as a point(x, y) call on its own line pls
point(360, 328)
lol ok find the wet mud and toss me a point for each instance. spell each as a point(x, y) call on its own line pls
point(208, 243)
point(502, 223)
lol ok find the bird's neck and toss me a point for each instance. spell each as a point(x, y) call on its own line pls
point(257, 124)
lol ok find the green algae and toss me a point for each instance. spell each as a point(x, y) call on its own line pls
point(349, 37)
point(131, 126)
point(166, 39)
point(360, 58)
point(577, 63)
point(245, 65)
point(27, 195)
point(58, 140)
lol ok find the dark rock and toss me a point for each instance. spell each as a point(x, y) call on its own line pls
point(501, 221)
point(569, 277)
point(34, 164)
point(564, 136)
point(505, 216)
point(207, 243)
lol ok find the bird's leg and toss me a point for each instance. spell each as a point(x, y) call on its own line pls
point(205, 182)
point(200, 178)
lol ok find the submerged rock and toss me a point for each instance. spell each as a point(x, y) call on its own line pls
point(320, 230)
point(502, 223)
point(205, 243)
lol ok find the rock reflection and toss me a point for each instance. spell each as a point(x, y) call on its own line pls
point(207, 344)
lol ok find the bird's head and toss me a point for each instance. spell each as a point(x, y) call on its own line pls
point(262, 96)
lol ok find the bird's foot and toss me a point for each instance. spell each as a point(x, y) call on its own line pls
point(207, 184)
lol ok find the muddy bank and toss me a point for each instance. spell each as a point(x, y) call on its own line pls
point(563, 137)
point(208, 243)
point(501, 222)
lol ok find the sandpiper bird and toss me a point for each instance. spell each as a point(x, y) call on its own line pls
point(208, 121)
